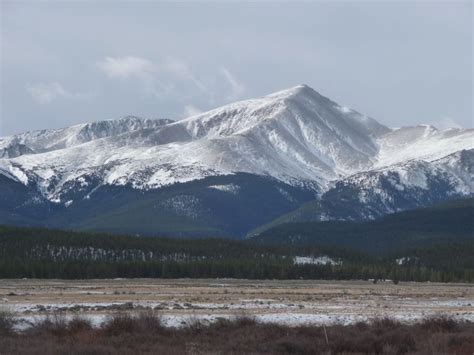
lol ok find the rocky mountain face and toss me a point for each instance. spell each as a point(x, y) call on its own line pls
point(231, 169)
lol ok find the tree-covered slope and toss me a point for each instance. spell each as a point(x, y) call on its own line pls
point(46, 253)
point(379, 192)
point(448, 222)
point(226, 206)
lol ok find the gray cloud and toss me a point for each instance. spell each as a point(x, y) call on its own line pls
point(125, 67)
point(171, 78)
point(447, 122)
point(237, 88)
point(45, 93)
point(402, 63)
point(181, 70)
point(191, 110)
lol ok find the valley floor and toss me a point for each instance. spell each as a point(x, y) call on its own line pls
point(183, 301)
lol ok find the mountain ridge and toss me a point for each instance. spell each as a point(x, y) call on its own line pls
point(296, 135)
point(293, 139)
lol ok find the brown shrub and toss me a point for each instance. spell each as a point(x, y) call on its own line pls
point(384, 323)
point(54, 324)
point(119, 323)
point(149, 321)
point(143, 322)
point(440, 324)
point(79, 325)
point(143, 333)
point(7, 322)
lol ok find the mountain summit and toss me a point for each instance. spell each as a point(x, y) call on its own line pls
point(296, 137)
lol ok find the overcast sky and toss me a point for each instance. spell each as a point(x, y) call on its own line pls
point(401, 62)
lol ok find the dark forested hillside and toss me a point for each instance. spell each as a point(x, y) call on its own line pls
point(222, 206)
point(445, 223)
point(44, 253)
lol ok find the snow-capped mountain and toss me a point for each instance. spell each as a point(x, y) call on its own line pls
point(422, 142)
point(55, 139)
point(401, 186)
point(294, 138)
point(380, 191)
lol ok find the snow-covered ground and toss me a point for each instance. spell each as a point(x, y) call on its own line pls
point(181, 302)
point(316, 314)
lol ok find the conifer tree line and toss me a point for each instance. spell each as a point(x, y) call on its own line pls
point(43, 253)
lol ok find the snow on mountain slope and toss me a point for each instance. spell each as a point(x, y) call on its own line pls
point(456, 169)
point(404, 185)
point(296, 136)
point(12, 150)
point(47, 140)
point(422, 142)
point(375, 193)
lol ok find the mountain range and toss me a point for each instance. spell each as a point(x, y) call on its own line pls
point(234, 171)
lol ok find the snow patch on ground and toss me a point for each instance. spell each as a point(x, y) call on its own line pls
point(186, 205)
point(319, 260)
point(284, 318)
point(230, 188)
point(414, 178)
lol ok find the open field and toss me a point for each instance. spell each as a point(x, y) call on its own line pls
point(284, 302)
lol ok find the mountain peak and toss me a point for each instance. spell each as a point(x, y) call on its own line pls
point(294, 135)
point(297, 90)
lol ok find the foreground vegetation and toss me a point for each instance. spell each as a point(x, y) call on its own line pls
point(145, 334)
point(44, 253)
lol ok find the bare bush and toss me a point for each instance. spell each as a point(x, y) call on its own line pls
point(125, 322)
point(54, 324)
point(144, 333)
point(440, 324)
point(7, 321)
point(79, 324)
point(119, 323)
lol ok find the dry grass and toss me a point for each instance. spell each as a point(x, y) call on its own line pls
point(143, 333)
point(147, 322)
point(7, 322)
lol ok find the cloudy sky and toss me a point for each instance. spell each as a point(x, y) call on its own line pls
point(64, 62)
